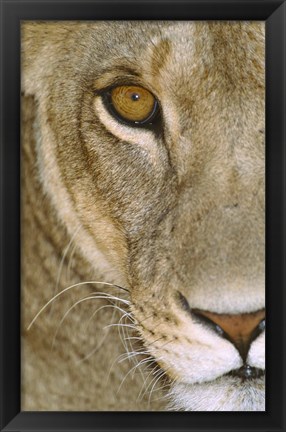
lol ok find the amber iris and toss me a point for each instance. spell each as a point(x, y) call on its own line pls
point(133, 103)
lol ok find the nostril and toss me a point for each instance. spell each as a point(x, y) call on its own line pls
point(202, 318)
point(197, 315)
point(261, 326)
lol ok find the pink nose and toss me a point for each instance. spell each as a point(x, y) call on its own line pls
point(239, 329)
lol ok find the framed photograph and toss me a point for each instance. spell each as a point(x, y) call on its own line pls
point(142, 215)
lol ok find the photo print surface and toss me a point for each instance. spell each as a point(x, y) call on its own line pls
point(143, 216)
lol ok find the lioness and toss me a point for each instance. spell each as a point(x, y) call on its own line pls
point(143, 216)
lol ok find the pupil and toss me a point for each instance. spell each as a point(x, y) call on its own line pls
point(135, 97)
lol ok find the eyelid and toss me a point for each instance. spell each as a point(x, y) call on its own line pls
point(119, 81)
point(108, 83)
point(136, 136)
point(110, 75)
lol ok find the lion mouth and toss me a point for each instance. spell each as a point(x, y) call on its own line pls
point(246, 372)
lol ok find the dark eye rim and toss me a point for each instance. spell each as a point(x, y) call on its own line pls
point(149, 122)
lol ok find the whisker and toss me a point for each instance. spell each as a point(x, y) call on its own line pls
point(155, 371)
point(161, 388)
point(122, 338)
point(104, 307)
point(92, 296)
point(69, 288)
point(99, 345)
point(122, 330)
point(144, 362)
point(159, 376)
point(120, 325)
point(56, 288)
point(156, 340)
point(138, 366)
point(129, 348)
point(68, 272)
point(148, 317)
point(112, 365)
point(134, 359)
point(131, 355)
point(128, 373)
point(144, 388)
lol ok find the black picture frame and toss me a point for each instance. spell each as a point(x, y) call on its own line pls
point(12, 13)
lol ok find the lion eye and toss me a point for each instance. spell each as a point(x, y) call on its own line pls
point(132, 104)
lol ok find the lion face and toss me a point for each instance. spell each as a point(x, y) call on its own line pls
point(174, 202)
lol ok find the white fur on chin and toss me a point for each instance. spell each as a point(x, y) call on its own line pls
point(223, 394)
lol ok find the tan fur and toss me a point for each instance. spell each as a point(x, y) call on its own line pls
point(156, 214)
